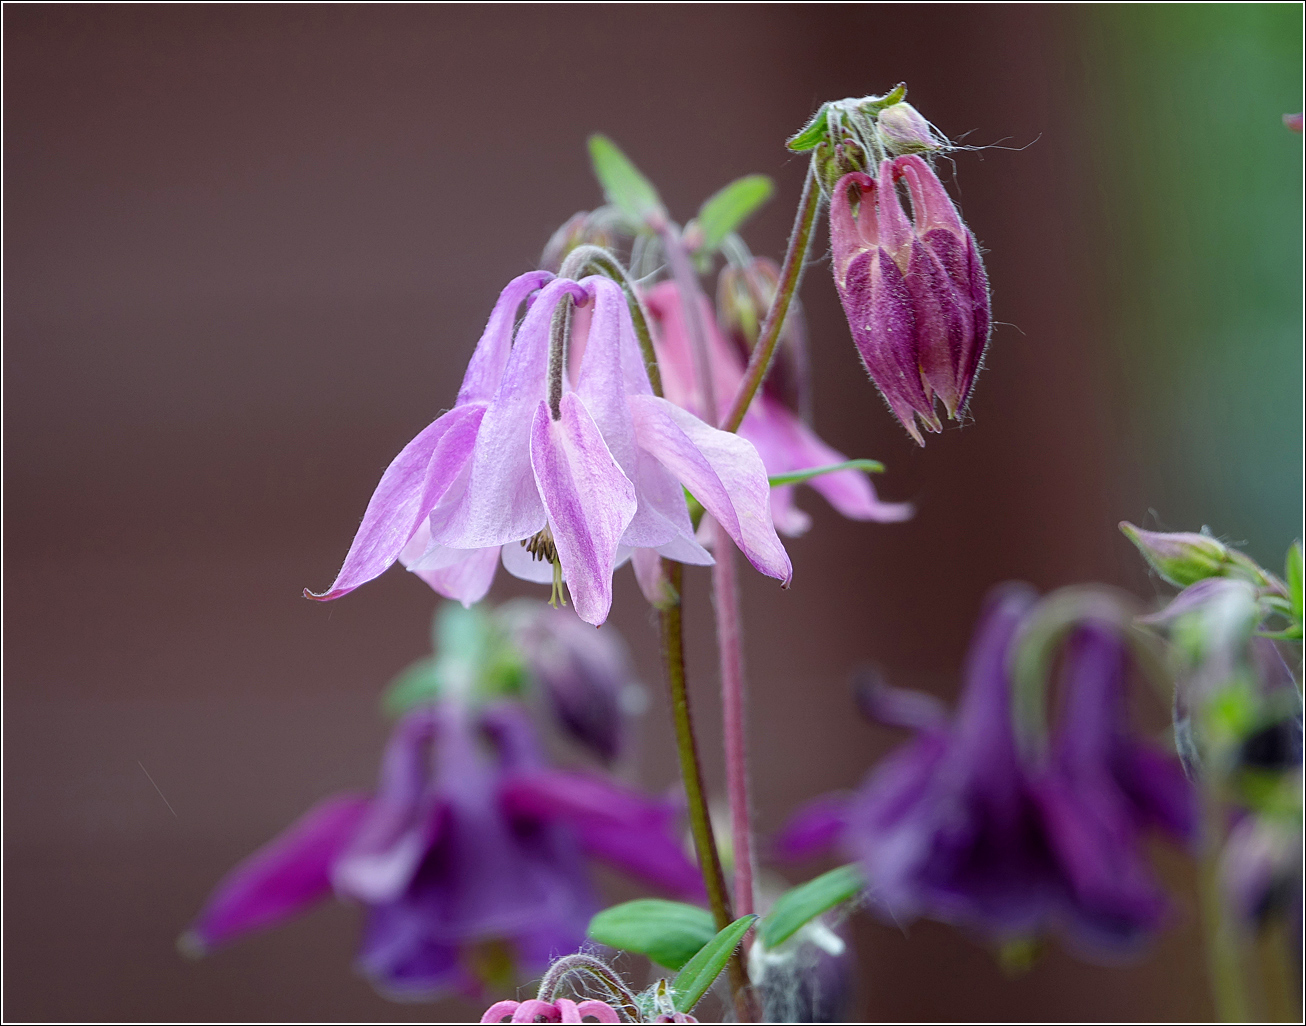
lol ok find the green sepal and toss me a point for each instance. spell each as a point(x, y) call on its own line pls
point(800, 905)
point(701, 971)
point(728, 208)
point(416, 685)
point(799, 476)
point(623, 184)
point(812, 135)
point(669, 932)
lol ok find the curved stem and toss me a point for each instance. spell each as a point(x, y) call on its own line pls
point(600, 261)
point(691, 773)
point(588, 965)
point(791, 274)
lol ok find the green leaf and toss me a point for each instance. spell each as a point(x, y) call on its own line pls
point(701, 971)
point(799, 476)
point(1294, 573)
point(728, 208)
point(805, 902)
point(812, 135)
point(417, 684)
point(623, 185)
point(668, 932)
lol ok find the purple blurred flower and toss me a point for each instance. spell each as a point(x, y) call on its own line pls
point(455, 868)
point(913, 289)
point(585, 674)
point(957, 825)
point(563, 497)
point(783, 441)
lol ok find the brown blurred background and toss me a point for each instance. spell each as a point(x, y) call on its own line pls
point(247, 253)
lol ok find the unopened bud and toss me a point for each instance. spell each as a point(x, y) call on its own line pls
point(903, 130)
point(581, 229)
point(1180, 557)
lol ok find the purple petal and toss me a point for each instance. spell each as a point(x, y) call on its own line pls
point(614, 823)
point(851, 236)
point(525, 567)
point(898, 707)
point(499, 503)
point(722, 471)
point(410, 487)
point(814, 829)
point(283, 877)
point(931, 206)
point(403, 820)
point(1160, 792)
point(588, 499)
point(464, 575)
point(485, 369)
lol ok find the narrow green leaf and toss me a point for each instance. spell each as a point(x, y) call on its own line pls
point(417, 684)
point(668, 932)
point(805, 902)
point(701, 971)
point(812, 134)
point(725, 210)
point(1294, 573)
point(623, 185)
point(799, 476)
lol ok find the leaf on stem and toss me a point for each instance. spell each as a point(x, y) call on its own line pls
point(801, 904)
point(799, 476)
point(623, 184)
point(701, 971)
point(728, 208)
point(668, 932)
point(812, 135)
point(1294, 573)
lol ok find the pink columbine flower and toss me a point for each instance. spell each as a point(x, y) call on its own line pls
point(913, 289)
point(783, 441)
point(562, 1010)
point(560, 492)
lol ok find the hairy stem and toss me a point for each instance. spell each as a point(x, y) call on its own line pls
point(730, 643)
point(791, 274)
point(588, 965)
point(598, 260)
point(691, 773)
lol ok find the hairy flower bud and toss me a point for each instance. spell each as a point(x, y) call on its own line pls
point(903, 131)
point(1180, 557)
point(743, 297)
point(913, 289)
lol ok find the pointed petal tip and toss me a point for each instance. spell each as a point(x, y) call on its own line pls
point(322, 596)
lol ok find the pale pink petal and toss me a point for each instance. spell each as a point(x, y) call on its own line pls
point(525, 567)
point(600, 1010)
point(499, 502)
point(789, 519)
point(722, 471)
point(497, 1011)
point(647, 565)
point(589, 502)
point(485, 369)
point(464, 575)
point(410, 487)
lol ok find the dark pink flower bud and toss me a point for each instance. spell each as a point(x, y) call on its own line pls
point(913, 289)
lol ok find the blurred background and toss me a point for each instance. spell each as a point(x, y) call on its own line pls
point(247, 253)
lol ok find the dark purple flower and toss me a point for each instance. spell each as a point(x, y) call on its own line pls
point(461, 881)
point(960, 825)
point(913, 289)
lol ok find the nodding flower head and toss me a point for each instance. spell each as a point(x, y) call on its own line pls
point(913, 289)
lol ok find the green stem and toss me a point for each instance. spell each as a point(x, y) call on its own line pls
point(791, 274)
point(1224, 957)
point(691, 773)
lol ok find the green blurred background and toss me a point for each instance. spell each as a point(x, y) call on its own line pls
point(1201, 253)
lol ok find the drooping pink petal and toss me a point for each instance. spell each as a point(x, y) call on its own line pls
point(464, 575)
point(588, 499)
point(931, 206)
point(485, 369)
point(499, 503)
point(530, 1011)
point(500, 1011)
point(410, 487)
point(722, 471)
point(600, 1010)
point(851, 236)
point(283, 877)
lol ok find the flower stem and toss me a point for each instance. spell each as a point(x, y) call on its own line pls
point(1224, 956)
point(791, 275)
point(588, 965)
point(725, 594)
point(691, 772)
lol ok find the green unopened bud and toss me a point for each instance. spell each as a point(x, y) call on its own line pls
point(903, 131)
point(833, 161)
point(1181, 557)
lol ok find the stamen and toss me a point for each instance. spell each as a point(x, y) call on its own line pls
point(541, 547)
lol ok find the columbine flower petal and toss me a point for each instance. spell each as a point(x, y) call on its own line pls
point(588, 499)
point(722, 471)
point(282, 878)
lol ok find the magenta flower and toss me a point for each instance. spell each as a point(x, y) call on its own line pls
point(783, 441)
point(913, 289)
point(470, 840)
point(562, 1010)
point(559, 494)
point(957, 825)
